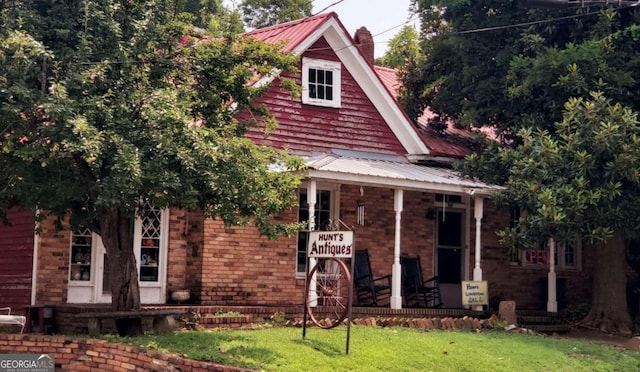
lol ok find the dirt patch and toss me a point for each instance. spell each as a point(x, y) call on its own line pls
point(584, 334)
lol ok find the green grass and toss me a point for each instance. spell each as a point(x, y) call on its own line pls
point(389, 349)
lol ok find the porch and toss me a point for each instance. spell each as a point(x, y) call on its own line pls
point(68, 318)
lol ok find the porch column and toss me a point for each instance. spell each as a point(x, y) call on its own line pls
point(396, 295)
point(552, 303)
point(311, 200)
point(477, 213)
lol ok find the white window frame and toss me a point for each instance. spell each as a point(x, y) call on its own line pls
point(522, 256)
point(319, 64)
point(90, 291)
point(334, 212)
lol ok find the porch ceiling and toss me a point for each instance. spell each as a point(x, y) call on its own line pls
point(393, 172)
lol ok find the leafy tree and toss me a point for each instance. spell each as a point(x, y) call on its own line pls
point(263, 13)
point(494, 64)
point(403, 47)
point(105, 106)
point(479, 70)
point(580, 181)
point(204, 11)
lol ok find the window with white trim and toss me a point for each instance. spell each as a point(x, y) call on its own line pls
point(567, 254)
point(321, 82)
point(322, 221)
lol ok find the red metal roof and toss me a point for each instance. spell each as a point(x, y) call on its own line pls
point(293, 32)
point(453, 142)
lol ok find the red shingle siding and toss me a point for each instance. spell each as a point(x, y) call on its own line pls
point(305, 129)
point(16, 247)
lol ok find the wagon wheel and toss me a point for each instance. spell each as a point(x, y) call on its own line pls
point(331, 280)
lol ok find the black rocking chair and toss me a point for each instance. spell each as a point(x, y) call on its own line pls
point(417, 292)
point(370, 291)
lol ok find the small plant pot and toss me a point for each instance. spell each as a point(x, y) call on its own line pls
point(181, 295)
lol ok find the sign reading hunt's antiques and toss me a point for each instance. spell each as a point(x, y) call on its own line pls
point(330, 244)
point(475, 293)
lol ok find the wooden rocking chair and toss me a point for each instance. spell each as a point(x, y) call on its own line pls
point(370, 291)
point(417, 292)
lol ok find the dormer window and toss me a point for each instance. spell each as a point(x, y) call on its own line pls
point(320, 82)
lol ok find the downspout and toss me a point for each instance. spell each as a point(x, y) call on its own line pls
point(396, 296)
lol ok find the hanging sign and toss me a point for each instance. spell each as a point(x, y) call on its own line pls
point(474, 293)
point(330, 244)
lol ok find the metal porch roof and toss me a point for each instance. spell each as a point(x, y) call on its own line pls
point(394, 172)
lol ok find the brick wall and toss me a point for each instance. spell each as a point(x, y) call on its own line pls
point(378, 233)
point(195, 244)
point(178, 250)
point(241, 268)
point(89, 355)
point(523, 284)
point(235, 266)
point(53, 264)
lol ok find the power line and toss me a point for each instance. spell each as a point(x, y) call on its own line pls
point(328, 7)
point(415, 17)
point(523, 24)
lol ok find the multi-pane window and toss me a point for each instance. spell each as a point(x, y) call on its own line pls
point(566, 255)
point(149, 237)
point(321, 82)
point(81, 255)
point(150, 244)
point(537, 255)
point(322, 220)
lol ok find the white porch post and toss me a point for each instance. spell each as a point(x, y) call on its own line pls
point(477, 213)
point(311, 200)
point(396, 295)
point(552, 303)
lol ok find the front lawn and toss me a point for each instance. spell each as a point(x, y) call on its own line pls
point(389, 349)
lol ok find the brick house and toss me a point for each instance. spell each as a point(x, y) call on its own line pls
point(368, 166)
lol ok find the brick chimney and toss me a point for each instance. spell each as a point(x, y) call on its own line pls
point(364, 42)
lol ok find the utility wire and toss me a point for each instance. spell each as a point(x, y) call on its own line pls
point(496, 28)
point(328, 7)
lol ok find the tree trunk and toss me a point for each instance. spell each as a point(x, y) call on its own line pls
point(116, 231)
point(609, 311)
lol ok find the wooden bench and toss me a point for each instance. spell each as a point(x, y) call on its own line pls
point(9, 319)
point(161, 318)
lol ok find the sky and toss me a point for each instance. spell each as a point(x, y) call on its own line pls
point(383, 18)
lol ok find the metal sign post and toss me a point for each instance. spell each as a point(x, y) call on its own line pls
point(326, 280)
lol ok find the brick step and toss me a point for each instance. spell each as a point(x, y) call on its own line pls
point(212, 321)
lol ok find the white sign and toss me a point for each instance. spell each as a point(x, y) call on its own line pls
point(330, 244)
point(475, 293)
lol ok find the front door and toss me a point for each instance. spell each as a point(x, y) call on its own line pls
point(450, 255)
point(89, 269)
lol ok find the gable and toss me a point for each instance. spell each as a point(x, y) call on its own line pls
point(304, 129)
point(368, 119)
